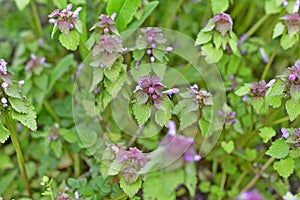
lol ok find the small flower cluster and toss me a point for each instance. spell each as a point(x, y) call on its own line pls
point(293, 20)
point(292, 135)
point(5, 82)
point(230, 117)
point(132, 161)
point(233, 83)
point(223, 23)
point(201, 97)
point(259, 89)
point(109, 47)
point(293, 75)
point(250, 195)
point(149, 90)
point(152, 39)
point(66, 19)
point(36, 64)
point(106, 24)
point(178, 147)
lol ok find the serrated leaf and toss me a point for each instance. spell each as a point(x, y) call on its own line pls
point(257, 103)
point(28, 120)
point(113, 72)
point(278, 149)
point(97, 77)
point(187, 120)
point(219, 6)
point(114, 87)
point(285, 167)
point(278, 30)
point(293, 109)
point(18, 105)
point(131, 189)
point(141, 113)
point(203, 38)
point(162, 118)
point(212, 55)
point(266, 133)
point(228, 146)
point(243, 90)
point(288, 41)
point(70, 41)
point(295, 92)
point(13, 91)
point(125, 10)
point(21, 4)
point(274, 101)
point(4, 133)
point(138, 54)
point(217, 40)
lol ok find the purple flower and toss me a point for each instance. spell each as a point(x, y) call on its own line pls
point(201, 97)
point(229, 116)
point(65, 19)
point(223, 23)
point(107, 23)
point(242, 39)
point(35, 63)
point(285, 133)
point(233, 83)
point(296, 6)
point(264, 55)
point(285, 3)
point(4, 85)
point(4, 102)
point(244, 99)
point(253, 195)
point(149, 90)
point(178, 146)
point(3, 69)
point(259, 89)
point(292, 23)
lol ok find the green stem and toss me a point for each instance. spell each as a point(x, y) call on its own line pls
point(36, 18)
point(19, 153)
point(121, 196)
point(171, 19)
point(76, 159)
point(222, 185)
point(279, 121)
point(239, 180)
point(257, 176)
point(266, 70)
point(257, 25)
point(51, 111)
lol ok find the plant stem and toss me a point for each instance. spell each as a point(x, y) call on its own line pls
point(239, 180)
point(266, 70)
point(171, 19)
point(257, 176)
point(19, 153)
point(284, 119)
point(223, 181)
point(257, 25)
point(51, 111)
point(121, 196)
point(36, 19)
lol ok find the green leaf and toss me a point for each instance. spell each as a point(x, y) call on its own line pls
point(212, 55)
point(266, 133)
point(271, 7)
point(285, 167)
point(97, 77)
point(13, 91)
point(204, 126)
point(162, 117)
point(233, 64)
point(171, 180)
point(187, 120)
point(141, 113)
point(113, 72)
point(243, 90)
point(293, 109)
point(21, 4)
point(274, 101)
point(205, 186)
point(218, 6)
point(4, 133)
point(278, 149)
point(295, 92)
point(288, 41)
point(131, 189)
point(228, 146)
point(114, 168)
point(56, 146)
point(18, 104)
point(125, 10)
point(203, 38)
point(114, 87)
point(68, 135)
point(70, 41)
point(257, 103)
point(28, 120)
point(138, 54)
point(61, 4)
point(278, 30)
point(148, 9)
point(60, 69)
point(41, 81)
point(217, 40)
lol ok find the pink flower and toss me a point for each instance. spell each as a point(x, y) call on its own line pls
point(223, 23)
